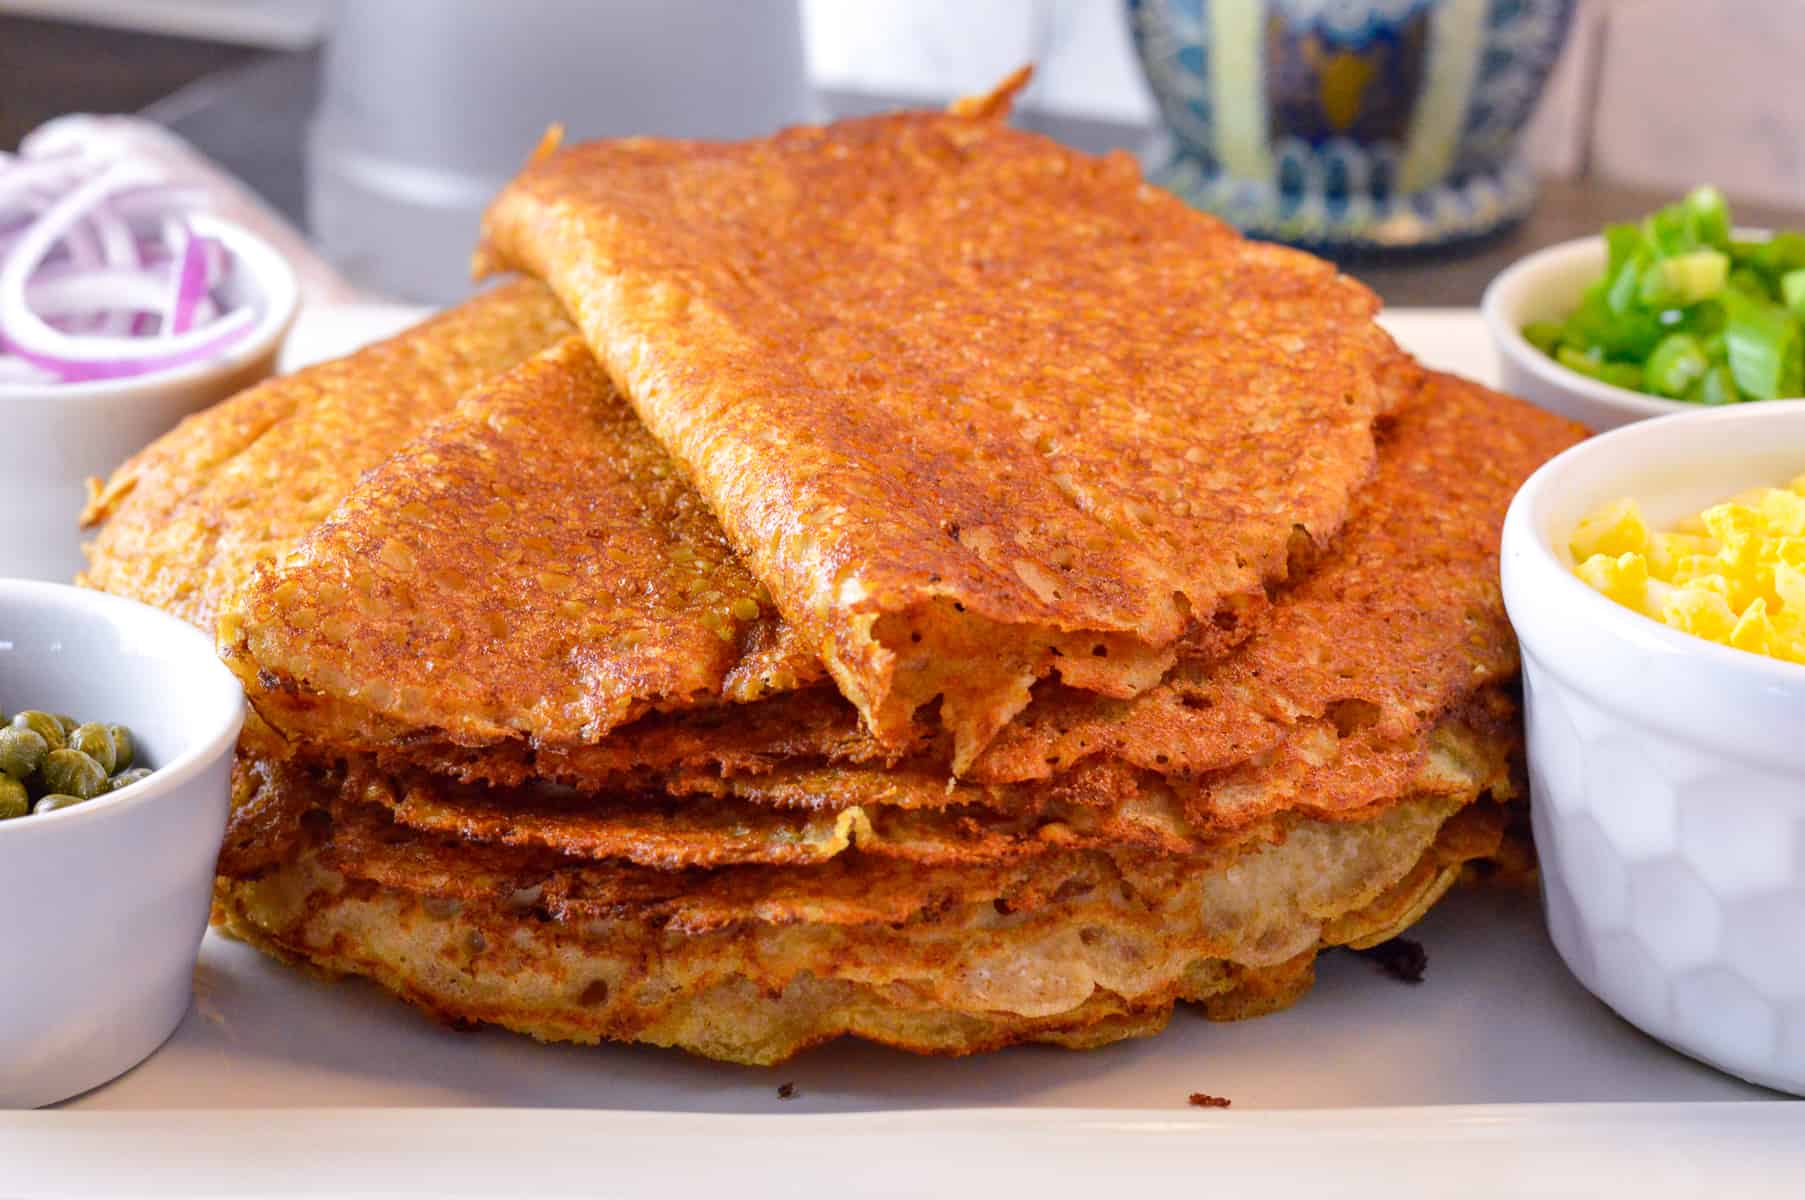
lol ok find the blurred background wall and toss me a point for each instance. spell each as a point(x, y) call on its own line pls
point(1664, 93)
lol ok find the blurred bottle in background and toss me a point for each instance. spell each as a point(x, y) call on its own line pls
point(428, 106)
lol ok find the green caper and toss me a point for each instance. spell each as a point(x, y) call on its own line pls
point(127, 778)
point(96, 741)
point(15, 801)
point(54, 801)
point(22, 751)
point(124, 749)
point(73, 773)
point(66, 721)
point(44, 724)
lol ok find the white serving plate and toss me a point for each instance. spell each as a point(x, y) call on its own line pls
point(1498, 1075)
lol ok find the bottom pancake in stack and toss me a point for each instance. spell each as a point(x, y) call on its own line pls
point(753, 961)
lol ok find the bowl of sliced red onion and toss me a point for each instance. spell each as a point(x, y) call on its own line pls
point(124, 307)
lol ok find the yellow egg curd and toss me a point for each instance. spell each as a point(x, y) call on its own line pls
point(1733, 574)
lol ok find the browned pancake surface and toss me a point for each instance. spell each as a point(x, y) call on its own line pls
point(530, 566)
point(1400, 619)
point(973, 406)
point(188, 518)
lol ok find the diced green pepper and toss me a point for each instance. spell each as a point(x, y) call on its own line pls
point(1578, 360)
point(1710, 216)
point(1624, 291)
point(1624, 375)
point(1749, 282)
point(1704, 318)
point(1543, 335)
point(1715, 386)
point(1670, 231)
point(1628, 334)
point(1621, 241)
point(1593, 366)
point(1684, 279)
point(1676, 364)
point(1792, 292)
point(1745, 253)
point(1780, 254)
point(1763, 344)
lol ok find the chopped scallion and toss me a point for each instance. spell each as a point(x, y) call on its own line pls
point(1686, 311)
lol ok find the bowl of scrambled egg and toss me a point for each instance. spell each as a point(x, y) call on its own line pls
point(1656, 579)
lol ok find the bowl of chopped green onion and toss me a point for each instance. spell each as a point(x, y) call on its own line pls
point(1678, 311)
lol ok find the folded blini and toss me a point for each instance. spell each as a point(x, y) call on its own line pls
point(975, 408)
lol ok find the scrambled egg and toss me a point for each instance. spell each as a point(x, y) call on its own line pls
point(1734, 574)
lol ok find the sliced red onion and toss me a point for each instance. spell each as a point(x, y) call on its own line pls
point(101, 274)
point(85, 370)
point(24, 175)
point(73, 292)
point(190, 283)
point(17, 370)
point(83, 246)
point(119, 249)
point(176, 238)
point(118, 246)
point(217, 262)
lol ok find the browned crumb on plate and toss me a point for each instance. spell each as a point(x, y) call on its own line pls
point(786, 1091)
point(1205, 1100)
point(1401, 958)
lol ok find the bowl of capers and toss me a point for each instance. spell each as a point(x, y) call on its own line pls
point(51, 761)
point(117, 724)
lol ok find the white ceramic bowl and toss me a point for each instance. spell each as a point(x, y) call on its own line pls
point(107, 901)
point(1546, 286)
point(1667, 772)
point(60, 435)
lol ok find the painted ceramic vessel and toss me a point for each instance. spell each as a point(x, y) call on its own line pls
point(1349, 123)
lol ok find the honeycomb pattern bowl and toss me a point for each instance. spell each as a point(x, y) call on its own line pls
point(1667, 773)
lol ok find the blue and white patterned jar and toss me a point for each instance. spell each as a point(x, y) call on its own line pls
point(1349, 124)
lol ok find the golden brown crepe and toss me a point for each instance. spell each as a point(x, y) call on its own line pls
point(188, 517)
point(529, 567)
point(974, 407)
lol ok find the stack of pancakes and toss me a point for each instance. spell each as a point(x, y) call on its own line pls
point(901, 578)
